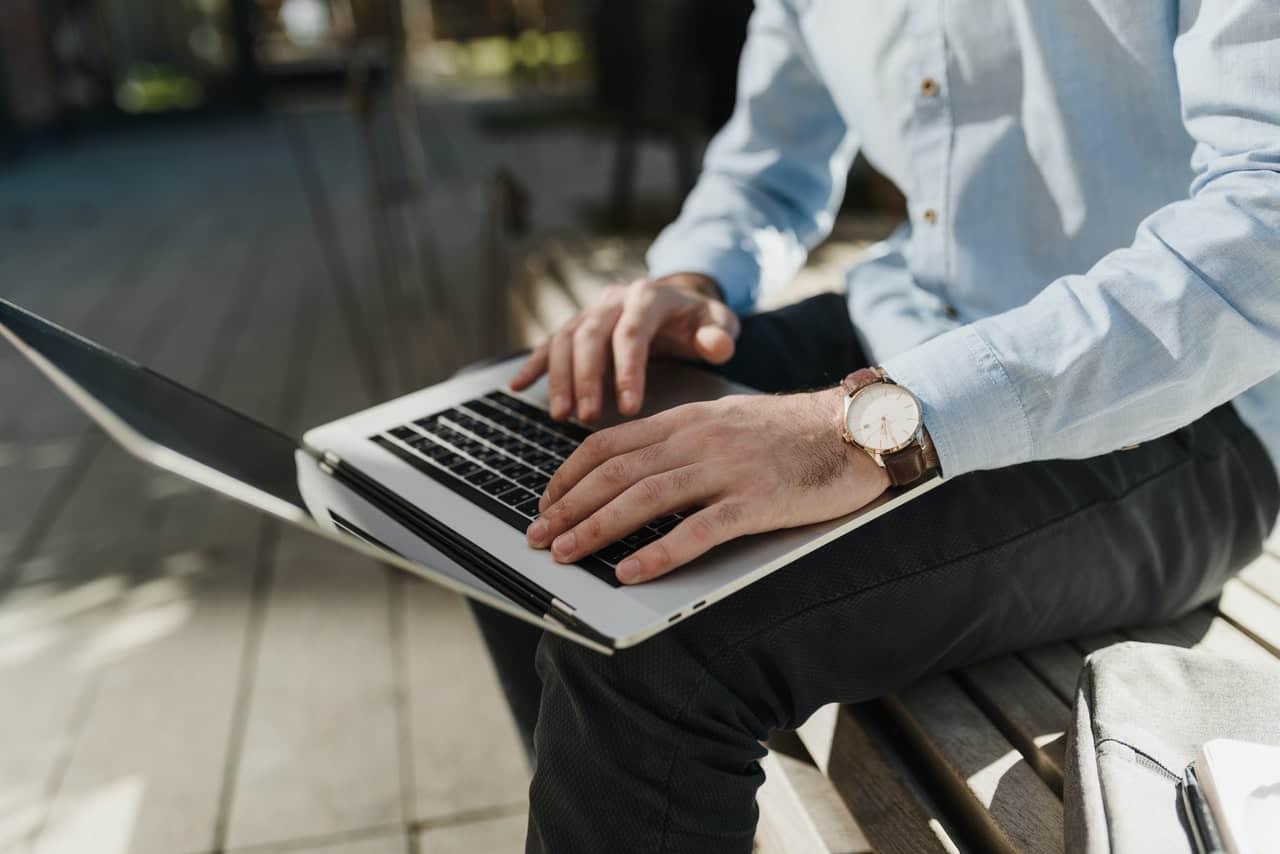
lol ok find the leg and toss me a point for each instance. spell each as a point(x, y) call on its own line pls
point(821, 347)
point(656, 748)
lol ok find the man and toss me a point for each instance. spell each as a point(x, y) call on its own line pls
point(1085, 302)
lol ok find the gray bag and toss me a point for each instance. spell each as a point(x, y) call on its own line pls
point(1142, 712)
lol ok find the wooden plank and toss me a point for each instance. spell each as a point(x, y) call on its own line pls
point(856, 747)
point(1009, 807)
point(1263, 575)
point(1025, 711)
point(1255, 614)
point(1058, 664)
point(1204, 629)
point(800, 810)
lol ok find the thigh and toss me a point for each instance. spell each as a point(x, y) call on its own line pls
point(987, 563)
point(806, 345)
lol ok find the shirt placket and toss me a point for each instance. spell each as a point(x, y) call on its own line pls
point(930, 148)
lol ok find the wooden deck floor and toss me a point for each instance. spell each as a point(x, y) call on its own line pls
point(179, 675)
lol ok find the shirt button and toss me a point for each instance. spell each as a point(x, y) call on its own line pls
point(929, 87)
point(950, 311)
point(930, 216)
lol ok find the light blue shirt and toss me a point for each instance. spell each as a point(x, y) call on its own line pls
point(1094, 193)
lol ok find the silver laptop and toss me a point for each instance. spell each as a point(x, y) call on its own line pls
point(442, 483)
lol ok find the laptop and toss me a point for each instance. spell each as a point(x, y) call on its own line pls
point(441, 483)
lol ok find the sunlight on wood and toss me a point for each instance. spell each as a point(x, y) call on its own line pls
point(102, 822)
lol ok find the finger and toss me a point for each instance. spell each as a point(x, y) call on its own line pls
point(694, 536)
point(533, 367)
point(590, 358)
point(603, 484)
point(603, 445)
point(640, 318)
point(713, 341)
point(648, 499)
point(560, 374)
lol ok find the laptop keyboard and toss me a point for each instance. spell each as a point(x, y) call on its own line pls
point(499, 452)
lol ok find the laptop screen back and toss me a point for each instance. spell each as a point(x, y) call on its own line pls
point(165, 412)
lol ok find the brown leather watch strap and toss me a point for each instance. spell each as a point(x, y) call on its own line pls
point(910, 464)
point(861, 379)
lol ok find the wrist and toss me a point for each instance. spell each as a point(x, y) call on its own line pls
point(829, 408)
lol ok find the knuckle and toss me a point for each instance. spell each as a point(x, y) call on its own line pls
point(627, 331)
point(702, 527)
point(659, 554)
point(591, 531)
point(649, 454)
point(562, 510)
point(615, 471)
point(597, 444)
point(652, 490)
point(729, 515)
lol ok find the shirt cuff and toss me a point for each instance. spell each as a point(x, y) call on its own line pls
point(735, 271)
point(971, 408)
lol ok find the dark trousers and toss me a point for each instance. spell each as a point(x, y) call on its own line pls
point(656, 748)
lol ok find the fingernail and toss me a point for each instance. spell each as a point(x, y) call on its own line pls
point(563, 545)
point(537, 532)
point(629, 570)
point(628, 401)
point(586, 407)
point(559, 404)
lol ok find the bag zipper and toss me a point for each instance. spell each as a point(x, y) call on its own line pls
point(1144, 760)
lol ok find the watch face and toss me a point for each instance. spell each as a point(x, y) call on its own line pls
point(883, 417)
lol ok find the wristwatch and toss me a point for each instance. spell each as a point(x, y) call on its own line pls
point(884, 419)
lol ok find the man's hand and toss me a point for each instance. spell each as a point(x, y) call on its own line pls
point(679, 315)
point(749, 463)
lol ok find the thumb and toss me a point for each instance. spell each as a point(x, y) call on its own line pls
point(713, 340)
point(713, 344)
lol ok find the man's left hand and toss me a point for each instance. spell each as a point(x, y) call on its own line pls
point(749, 463)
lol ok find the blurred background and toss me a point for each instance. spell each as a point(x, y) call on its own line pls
point(300, 207)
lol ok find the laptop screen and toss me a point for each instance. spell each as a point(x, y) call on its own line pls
point(165, 412)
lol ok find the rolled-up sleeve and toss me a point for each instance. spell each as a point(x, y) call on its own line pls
point(1156, 333)
point(772, 177)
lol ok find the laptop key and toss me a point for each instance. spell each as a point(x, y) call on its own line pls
point(535, 480)
point(614, 554)
point(514, 469)
point(528, 508)
point(481, 477)
point(642, 537)
point(497, 486)
point(665, 524)
point(465, 468)
point(516, 495)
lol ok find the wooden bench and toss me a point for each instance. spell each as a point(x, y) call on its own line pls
point(964, 761)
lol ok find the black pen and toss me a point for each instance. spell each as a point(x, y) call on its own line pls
point(1204, 830)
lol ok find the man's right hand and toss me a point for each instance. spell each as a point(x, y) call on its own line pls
point(680, 315)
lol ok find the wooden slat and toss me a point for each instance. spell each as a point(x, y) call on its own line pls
point(1254, 613)
point(1204, 629)
point(1026, 712)
point(1009, 806)
point(1058, 664)
point(800, 810)
point(1263, 575)
point(857, 749)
